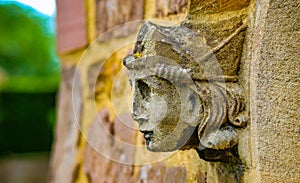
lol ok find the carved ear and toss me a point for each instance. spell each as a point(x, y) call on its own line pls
point(195, 109)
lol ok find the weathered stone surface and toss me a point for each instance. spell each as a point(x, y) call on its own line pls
point(159, 172)
point(110, 13)
point(100, 155)
point(175, 174)
point(99, 169)
point(171, 10)
point(170, 7)
point(269, 71)
point(274, 92)
point(151, 173)
point(171, 111)
point(99, 149)
point(63, 163)
point(214, 32)
point(217, 6)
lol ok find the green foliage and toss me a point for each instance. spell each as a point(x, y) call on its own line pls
point(27, 49)
point(26, 122)
point(29, 78)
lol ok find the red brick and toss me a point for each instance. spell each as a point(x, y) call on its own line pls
point(170, 7)
point(99, 168)
point(71, 25)
point(63, 160)
point(115, 12)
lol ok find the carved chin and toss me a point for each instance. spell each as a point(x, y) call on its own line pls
point(161, 147)
point(179, 140)
point(166, 145)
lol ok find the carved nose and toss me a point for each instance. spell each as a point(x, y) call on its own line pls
point(146, 127)
point(134, 115)
point(139, 118)
point(139, 113)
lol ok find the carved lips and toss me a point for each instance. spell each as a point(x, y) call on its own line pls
point(148, 136)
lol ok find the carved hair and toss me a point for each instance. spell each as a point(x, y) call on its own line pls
point(223, 105)
point(222, 100)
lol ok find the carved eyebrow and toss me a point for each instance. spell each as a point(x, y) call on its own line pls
point(156, 83)
point(151, 84)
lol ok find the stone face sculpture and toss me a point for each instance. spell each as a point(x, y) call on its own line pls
point(183, 96)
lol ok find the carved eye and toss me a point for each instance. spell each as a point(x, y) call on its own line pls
point(144, 89)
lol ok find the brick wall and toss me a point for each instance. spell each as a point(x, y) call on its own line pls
point(100, 91)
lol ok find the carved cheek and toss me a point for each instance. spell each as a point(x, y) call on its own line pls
point(158, 106)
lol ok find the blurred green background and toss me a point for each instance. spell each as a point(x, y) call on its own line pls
point(29, 80)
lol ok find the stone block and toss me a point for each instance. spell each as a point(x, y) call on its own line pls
point(170, 7)
point(110, 13)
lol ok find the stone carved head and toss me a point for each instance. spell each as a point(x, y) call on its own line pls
point(183, 97)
